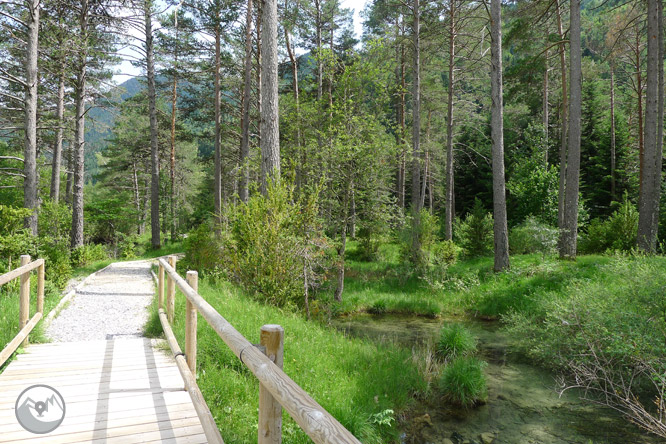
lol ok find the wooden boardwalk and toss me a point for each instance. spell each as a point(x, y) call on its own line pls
point(115, 391)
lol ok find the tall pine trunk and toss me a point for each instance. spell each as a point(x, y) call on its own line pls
point(612, 132)
point(270, 132)
point(568, 236)
point(245, 119)
point(154, 153)
point(448, 200)
point(172, 171)
point(76, 237)
point(563, 120)
point(544, 113)
point(57, 145)
point(648, 202)
point(217, 179)
point(31, 181)
point(416, 134)
point(497, 134)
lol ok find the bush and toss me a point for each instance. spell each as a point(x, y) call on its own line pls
point(433, 252)
point(617, 233)
point(203, 251)
point(454, 341)
point(88, 253)
point(274, 246)
point(463, 381)
point(533, 236)
point(475, 233)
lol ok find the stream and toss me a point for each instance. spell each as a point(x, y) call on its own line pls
point(523, 403)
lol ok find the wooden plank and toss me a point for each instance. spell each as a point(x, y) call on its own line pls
point(122, 434)
point(11, 275)
point(206, 417)
point(24, 298)
point(19, 338)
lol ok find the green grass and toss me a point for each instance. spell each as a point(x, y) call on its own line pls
point(455, 340)
point(469, 285)
point(463, 381)
point(353, 379)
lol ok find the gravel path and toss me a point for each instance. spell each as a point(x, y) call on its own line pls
point(112, 305)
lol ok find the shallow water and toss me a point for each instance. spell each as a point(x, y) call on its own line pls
point(523, 403)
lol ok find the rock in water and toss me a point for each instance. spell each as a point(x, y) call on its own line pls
point(487, 438)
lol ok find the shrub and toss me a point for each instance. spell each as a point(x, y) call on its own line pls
point(58, 263)
point(533, 236)
point(433, 253)
point(475, 232)
point(454, 341)
point(463, 381)
point(617, 233)
point(203, 251)
point(88, 253)
point(274, 246)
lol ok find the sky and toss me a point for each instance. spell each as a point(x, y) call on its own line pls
point(125, 70)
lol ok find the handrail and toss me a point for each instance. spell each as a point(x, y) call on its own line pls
point(320, 425)
point(26, 325)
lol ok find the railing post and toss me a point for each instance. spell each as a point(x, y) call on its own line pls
point(24, 302)
point(191, 325)
point(171, 292)
point(270, 411)
point(40, 289)
point(160, 287)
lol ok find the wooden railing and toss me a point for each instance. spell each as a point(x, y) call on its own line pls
point(26, 325)
point(276, 389)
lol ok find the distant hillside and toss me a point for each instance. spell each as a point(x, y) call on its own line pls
point(101, 120)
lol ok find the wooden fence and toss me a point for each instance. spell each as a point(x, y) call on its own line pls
point(25, 324)
point(276, 389)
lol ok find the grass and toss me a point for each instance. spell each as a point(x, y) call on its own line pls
point(463, 381)
point(455, 340)
point(386, 286)
point(353, 379)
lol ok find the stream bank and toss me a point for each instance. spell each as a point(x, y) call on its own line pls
point(523, 403)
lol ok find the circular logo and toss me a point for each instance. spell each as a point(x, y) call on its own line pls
point(40, 409)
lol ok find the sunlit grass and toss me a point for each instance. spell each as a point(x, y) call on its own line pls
point(351, 378)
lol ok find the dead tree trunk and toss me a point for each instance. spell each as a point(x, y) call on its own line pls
point(448, 200)
point(563, 121)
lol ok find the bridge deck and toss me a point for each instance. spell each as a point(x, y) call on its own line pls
point(115, 391)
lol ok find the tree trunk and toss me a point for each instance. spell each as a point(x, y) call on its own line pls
point(76, 237)
point(563, 121)
point(154, 153)
point(318, 42)
point(137, 200)
point(260, 5)
point(57, 145)
point(31, 181)
point(501, 230)
point(245, 119)
point(612, 130)
point(70, 172)
point(416, 134)
point(448, 200)
point(544, 113)
point(172, 171)
point(641, 129)
point(570, 231)
point(648, 202)
point(426, 166)
point(343, 247)
point(270, 131)
point(301, 177)
point(217, 180)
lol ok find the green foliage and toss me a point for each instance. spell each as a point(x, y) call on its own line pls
point(617, 233)
point(455, 341)
point(203, 251)
point(433, 253)
point(272, 244)
point(86, 254)
point(14, 239)
point(533, 236)
point(475, 233)
point(54, 224)
point(463, 381)
point(533, 186)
